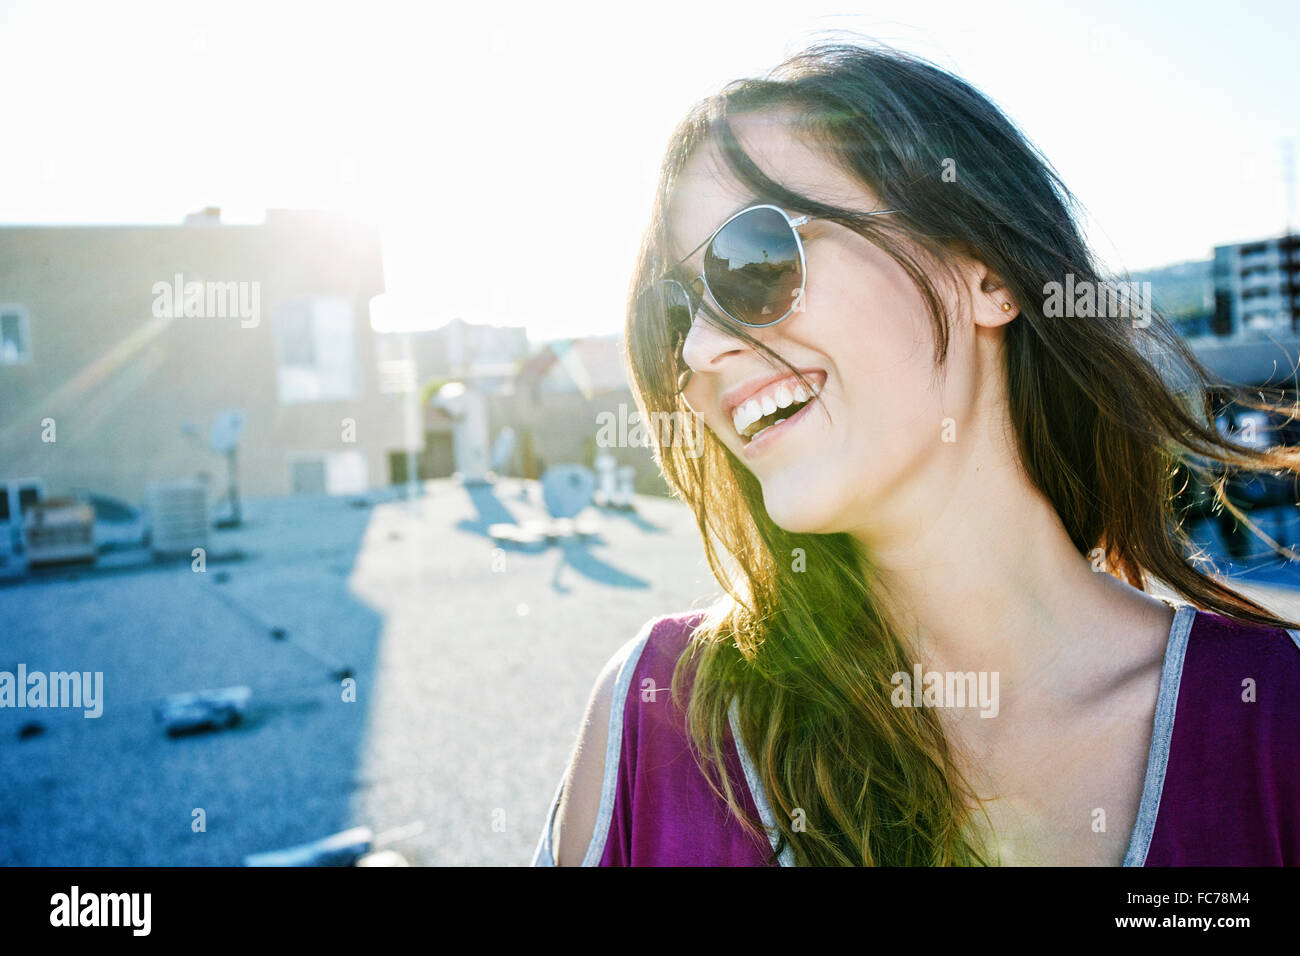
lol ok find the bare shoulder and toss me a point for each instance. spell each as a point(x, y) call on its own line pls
point(1135, 635)
point(584, 782)
point(578, 814)
point(594, 763)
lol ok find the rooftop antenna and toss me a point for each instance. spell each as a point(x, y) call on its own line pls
point(1289, 244)
point(223, 438)
point(1288, 181)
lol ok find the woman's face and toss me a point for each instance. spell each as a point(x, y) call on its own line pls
point(888, 432)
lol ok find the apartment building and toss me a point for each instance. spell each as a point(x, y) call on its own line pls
point(1257, 287)
point(122, 347)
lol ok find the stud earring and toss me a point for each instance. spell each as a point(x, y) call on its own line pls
point(1006, 306)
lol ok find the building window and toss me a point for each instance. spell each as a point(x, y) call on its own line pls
point(316, 353)
point(332, 473)
point(15, 340)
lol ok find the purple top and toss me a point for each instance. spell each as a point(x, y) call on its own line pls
point(1222, 783)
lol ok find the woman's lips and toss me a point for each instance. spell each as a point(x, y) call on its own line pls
point(741, 395)
point(764, 440)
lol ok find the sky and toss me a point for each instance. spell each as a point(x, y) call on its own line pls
point(508, 152)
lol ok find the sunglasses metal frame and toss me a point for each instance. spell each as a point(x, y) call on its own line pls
point(794, 224)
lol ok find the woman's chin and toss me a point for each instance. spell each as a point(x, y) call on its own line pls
point(796, 514)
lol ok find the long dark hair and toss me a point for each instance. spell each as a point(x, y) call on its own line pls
point(1111, 419)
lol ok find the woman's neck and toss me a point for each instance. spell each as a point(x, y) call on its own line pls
point(973, 564)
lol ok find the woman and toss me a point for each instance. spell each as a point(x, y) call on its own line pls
point(934, 498)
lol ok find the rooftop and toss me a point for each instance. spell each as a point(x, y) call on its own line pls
point(472, 666)
point(471, 682)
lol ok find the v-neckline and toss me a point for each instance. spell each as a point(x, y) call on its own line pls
point(1153, 784)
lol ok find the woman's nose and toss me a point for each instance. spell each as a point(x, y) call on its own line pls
point(707, 345)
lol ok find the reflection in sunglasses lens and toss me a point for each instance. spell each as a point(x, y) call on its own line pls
point(752, 266)
point(677, 307)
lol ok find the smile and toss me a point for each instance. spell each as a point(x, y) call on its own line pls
point(778, 402)
point(772, 433)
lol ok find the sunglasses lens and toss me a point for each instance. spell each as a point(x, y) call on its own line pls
point(669, 305)
point(671, 311)
point(753, 267)
point(677, 306)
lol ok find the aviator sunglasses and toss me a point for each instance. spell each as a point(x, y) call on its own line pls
point(754, 269)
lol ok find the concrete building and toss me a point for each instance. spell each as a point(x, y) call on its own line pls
point(562, 396)
point(554, 401)
point(488, 354)
point(118, 340)
point(1257, 287)
point(486, 357)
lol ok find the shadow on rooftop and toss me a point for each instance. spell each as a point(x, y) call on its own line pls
point(117, 791)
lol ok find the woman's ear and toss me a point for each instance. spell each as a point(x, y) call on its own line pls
point(991, 306)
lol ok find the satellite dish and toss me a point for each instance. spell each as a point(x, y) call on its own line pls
point(451, 399)
point(567, 489)
point(227, 426)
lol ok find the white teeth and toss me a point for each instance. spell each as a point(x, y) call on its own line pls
point(746, 415)
point(783, 396)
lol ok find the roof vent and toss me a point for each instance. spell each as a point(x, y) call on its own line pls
point(207, 216)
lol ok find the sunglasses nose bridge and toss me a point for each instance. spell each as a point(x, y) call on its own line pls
point(699, 288)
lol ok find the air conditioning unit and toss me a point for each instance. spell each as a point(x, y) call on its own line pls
point(178, 516)
point(59, 530)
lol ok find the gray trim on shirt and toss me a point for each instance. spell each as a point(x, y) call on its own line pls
point(755, 785)
point(1162, 731)
point(630, 653)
